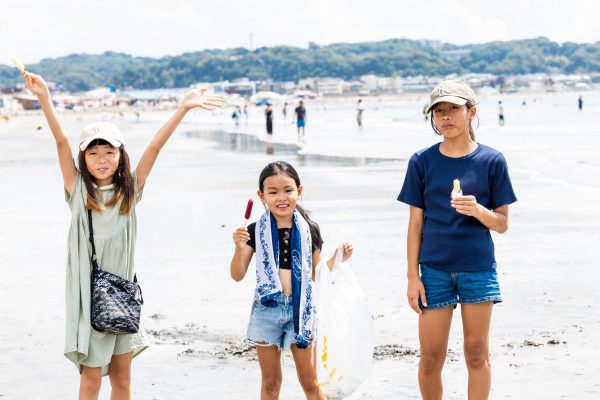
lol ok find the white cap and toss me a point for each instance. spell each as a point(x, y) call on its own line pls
point(101, 130)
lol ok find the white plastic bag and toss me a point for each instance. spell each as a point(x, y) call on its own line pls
point(344, 330)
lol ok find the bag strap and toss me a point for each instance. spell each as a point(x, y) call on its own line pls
point(139, 288)
point(95, 263)
point(91, 228)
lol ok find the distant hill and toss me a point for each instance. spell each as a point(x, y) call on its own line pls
point(394, 57)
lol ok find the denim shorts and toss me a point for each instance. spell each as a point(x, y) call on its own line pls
point(272, 326)
point(443, 289)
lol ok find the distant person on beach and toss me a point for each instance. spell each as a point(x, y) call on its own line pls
point(300, 113)
point(500, 113)
point(101, 188)
point(359, 113)
point(288, 245)
point(580, 103)
point(425, 114)
point(246, 114)
point(236, 115)
point(284, 111)
point(269, 118)
point(458, 191)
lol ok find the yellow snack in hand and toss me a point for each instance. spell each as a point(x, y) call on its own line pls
point(457, 191)
point(17, 63)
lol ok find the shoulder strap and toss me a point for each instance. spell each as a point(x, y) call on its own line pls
point(94, 261)
point(91, 228)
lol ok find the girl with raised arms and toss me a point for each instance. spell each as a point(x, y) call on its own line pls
point(103, 181)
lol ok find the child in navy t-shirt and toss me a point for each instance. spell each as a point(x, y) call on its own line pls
point(458, 190)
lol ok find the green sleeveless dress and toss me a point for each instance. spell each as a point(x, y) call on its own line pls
point(114, 238)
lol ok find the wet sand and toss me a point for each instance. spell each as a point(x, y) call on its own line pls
point(544, 340)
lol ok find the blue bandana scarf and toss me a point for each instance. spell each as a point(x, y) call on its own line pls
point(268, 286)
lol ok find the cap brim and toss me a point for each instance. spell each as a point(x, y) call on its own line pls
point(448, 99)
point(83, 145)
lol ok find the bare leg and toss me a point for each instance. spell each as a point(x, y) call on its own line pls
point(119, 373)
point(306, 368)
point(476, 328)
point(434, 328)
point(269, 359)
point(89, 383)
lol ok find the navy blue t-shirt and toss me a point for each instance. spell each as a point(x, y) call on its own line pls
point(452, 241)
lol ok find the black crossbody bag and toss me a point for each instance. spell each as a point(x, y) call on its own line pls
point(116, 302)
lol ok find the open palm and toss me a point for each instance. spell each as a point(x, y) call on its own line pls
point(203, 99)
point(35, 83)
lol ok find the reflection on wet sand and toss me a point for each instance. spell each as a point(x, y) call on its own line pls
point(246, 143)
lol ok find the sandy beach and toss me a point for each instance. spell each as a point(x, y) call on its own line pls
point(544, 338)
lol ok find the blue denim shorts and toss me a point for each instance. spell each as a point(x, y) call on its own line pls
point(272, 326)
point(443, 289)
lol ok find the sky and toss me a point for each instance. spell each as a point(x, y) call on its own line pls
point(37, 29)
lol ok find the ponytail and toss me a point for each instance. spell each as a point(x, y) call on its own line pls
point(315, 232)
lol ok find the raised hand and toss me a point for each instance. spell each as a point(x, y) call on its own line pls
point(348, 250)
point(36, 84)
point(203, 99)
point(240, 237)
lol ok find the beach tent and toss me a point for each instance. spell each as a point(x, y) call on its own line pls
point(262, 98)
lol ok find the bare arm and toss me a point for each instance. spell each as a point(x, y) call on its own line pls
point(496, 220)
point(413, 248)
point(241, 256)
point(348, 251)
point(316, 259)
point(196, 98)
point(38, 86)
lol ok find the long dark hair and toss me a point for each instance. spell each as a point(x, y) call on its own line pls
point(284, 168)
point(469, 105)
point(123, 180)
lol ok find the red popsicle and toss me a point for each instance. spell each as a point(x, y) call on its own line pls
point(248, 212)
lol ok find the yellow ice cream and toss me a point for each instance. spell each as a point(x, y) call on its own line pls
point(17, 63)
point(457, 191)
point(456, 186)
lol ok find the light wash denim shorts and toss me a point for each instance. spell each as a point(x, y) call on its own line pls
point(443, 288)
point(272, 326)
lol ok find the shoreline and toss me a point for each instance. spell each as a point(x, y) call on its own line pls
point(350, 98)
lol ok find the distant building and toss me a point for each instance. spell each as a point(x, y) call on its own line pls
point(420, 83)
point(243, 87)
point(352, 87)
point(307, 84)
point(455, 53)
point(479, 80)
point(330, 86)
